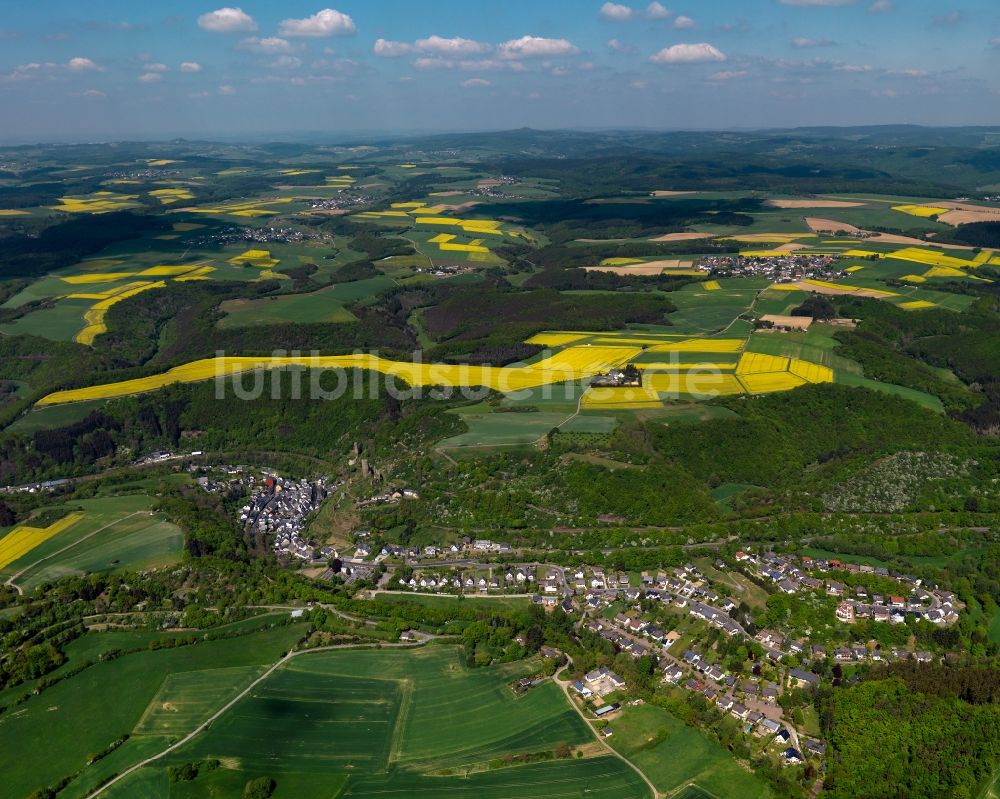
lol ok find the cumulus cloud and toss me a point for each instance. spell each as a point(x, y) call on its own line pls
point(638, 85)
point(804, 43)
point(390, 49)
point(536, 46)
point(432, 45)
point(616, 12)
point(688, 54)
point(453, 46)
point(327, 22)
point(225, 88)
point(683, 23)
point(474, 83)
point(190, 66)
point(150, 77)
point(657, 11)
point(155, 67)
point(227, 20)
point(731, 74)
point(80, 64)
point(881, 6)
point(270, 45)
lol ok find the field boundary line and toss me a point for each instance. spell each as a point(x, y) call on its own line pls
point(30, 566)
point(228, 706)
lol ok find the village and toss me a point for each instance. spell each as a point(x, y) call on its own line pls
point(276, 509)
point(780, 268)
point(699, 629)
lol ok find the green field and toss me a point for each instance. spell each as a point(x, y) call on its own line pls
point(115, 533)
point(53, 416)
point(494, 429)
point(408, 723)
point(324, 305)
point(84, 714)
point(920, 397)
point(673, 755)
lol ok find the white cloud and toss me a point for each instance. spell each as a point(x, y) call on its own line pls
point(150, 77)
point(910, 73)
point(390, 49)
point(93, 93)
point(270, 45)
point(803, 42)
point(473, 83)
point(536, 46)
point(638, 85)
point(225, 88)
point(454, 46)
point(853, 68)
point(616, 12)
point(657, 11)
point(327, 22)
point(881, 6)
point(725, 75)
point(682, 23)
point(155, 67)
point(432, 45)
point(818, 3)
point(688, 54)
point(190, 66)
point(227, 20)
point(80, 64)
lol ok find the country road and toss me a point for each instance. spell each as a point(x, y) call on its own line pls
point(222, 711)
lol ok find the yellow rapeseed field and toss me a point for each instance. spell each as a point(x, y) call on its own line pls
point(944, 271)
point(767, 382)
point(711, 285)
point(94, 318)
point(610, 399)
point(621, 261)
point(572, 363)
point(22, 539)
point(700, 345)
point(13, 212)
point(914, 278)
point(697, 382)
point(920, 210)
point(757, 362)
point(929, 257)
point(916, 305)
point(553, 339)
point(813, 372)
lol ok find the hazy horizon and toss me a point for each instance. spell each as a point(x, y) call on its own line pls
point(124, 70)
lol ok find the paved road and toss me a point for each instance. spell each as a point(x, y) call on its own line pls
point(565, 689)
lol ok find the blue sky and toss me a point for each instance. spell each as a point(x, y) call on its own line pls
point(111, 69)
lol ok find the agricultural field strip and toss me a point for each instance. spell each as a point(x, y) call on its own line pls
point(23, 538)
point(402, 719)
point(11, 581)
point(569, 364)
point(225, 708)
